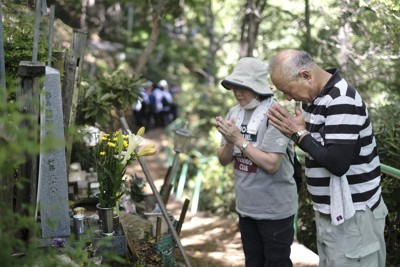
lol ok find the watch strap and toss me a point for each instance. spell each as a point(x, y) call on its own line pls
point(296, 136)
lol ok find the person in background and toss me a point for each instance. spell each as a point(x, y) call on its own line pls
point(141, 108)
point(167, 101)
point(342, 165)
point(163, 99)
point(265, 191)
point(147, 113)
point(174, 90)
point(137, 108)
point(157, 95)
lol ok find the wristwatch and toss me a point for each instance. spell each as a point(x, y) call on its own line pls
point(244, 145)
point(296, 136)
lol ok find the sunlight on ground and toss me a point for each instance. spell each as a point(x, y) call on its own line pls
point(218, 240)
point(209, 240)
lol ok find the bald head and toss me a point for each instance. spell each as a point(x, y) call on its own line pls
point(295, 74)
point(288, 63)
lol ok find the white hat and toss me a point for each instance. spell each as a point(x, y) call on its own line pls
point(249, 73)
point(163, 83)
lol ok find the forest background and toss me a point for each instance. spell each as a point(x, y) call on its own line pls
point(195, 44)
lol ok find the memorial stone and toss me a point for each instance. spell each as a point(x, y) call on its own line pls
point(53, 183)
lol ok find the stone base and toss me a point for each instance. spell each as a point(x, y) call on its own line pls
point(115, 243)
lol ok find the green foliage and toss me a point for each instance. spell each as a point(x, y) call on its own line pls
point(387, 134)
point(306, 232)
point(108, 95)
point(18, 143)
point(119, 89)
point(81, 152)
point(217, 195)
point(137, 188)
point(202, 104)
point(388, 141)
point(18, 38)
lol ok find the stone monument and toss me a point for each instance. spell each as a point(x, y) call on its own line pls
point(53, 182)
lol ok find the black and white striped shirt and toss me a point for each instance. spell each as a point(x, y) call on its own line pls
point(339, 116)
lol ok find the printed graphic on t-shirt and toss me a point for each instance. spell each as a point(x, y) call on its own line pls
point(242, 163)
point(245, 165)
point(252, 138)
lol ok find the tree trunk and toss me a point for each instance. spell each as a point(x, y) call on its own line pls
point(84, 15)
point(344, 43)
point(210, 63)
point(144, 57)
point(250, 26)
point(308, 27)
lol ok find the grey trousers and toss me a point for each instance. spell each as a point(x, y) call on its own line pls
point(359, 241)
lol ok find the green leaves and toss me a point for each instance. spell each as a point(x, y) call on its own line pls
point(110, 91)
point(387, 133)
point(18, 38)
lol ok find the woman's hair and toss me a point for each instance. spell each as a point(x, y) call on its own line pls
point(262, 97)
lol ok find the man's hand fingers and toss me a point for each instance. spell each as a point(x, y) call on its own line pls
point(275, 114)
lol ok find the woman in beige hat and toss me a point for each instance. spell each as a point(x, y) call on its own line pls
point(265, 191)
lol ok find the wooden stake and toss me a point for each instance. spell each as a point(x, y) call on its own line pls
point(182, 216)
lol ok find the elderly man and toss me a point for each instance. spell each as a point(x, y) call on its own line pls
point(342, 165)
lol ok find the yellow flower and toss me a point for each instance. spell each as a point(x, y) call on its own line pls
point(147, 150)
point(126, 143)
point(140, 132)
point(102, 153)
point(134, 141)
point(111, 144)
point(120, 146)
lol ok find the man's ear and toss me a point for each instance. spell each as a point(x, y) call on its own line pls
point(305, 74)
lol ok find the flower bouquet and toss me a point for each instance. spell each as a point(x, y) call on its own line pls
point(112, 154)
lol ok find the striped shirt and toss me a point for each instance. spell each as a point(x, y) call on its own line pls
point(339, 116)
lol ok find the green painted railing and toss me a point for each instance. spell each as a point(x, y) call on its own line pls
point(390, 171)
point(196, 156)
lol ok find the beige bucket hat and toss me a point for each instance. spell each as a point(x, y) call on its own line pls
point(249, 73)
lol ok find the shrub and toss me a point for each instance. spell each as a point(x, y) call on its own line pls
point(387, 132)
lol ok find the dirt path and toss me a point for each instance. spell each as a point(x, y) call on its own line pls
point(208, 240)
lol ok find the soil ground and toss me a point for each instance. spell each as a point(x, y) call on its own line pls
point(207, 240)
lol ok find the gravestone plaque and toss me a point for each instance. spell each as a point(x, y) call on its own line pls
point(53, 183)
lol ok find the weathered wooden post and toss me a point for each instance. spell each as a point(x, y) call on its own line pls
point(36, 31)
point(70, 85)
point(6, 183)
point(3, 92)
point(29, 96)
point(2, 64)
point(44, 7)
point(57, 61)
point(129, 24)
point(50, 37)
